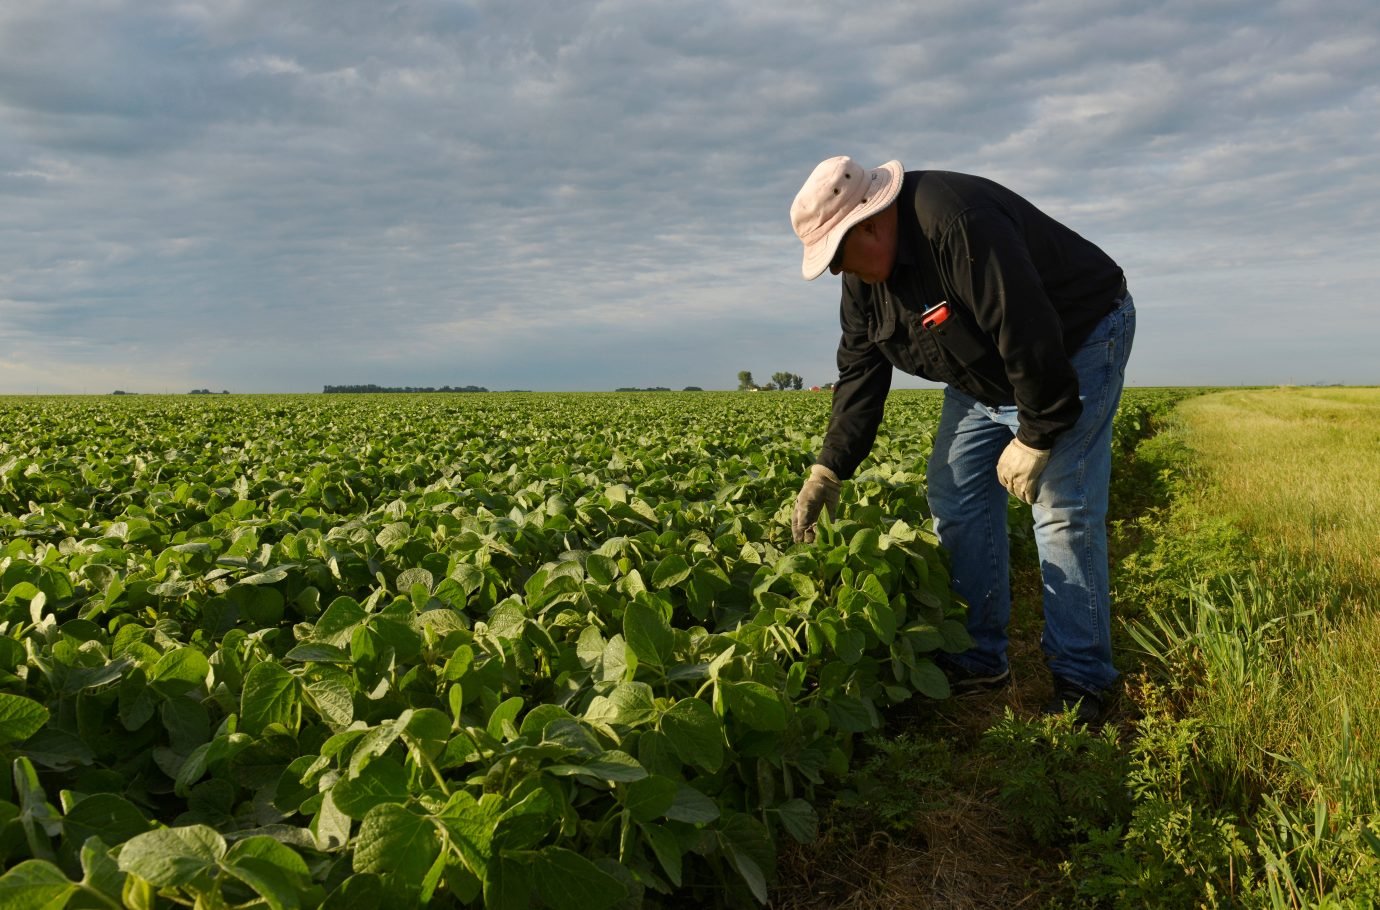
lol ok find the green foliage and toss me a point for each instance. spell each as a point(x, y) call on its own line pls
point(899, 778)
point(526, 651)
point(1058, 780)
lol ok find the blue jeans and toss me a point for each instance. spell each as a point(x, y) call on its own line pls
point(1070, 512)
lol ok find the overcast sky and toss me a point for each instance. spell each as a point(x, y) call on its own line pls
point(271, 195)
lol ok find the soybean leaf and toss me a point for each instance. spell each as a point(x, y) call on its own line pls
point(748, 845)
point(670, 571)
point(35, 884)
point(471, 824)
point(383, 780)
point(525, 823)
point(318, 652)
point(330, 827)
point(629, 703)
point(508, 883)
point(756, 705)
point(650, 798)
point(101, 872)
point(695, 732)
point(270, 868)
point(327, 690)
point(667, 850)
point(568, 881)
point(928, 679)
point(394, 839)
point(648, 633)
point(612, 766)
point(112, 818)
point(501, 721)
point(339, 621)
point(20, 718)
point(169, 857)
point(799, 819)
point(179, 671)
point(692, 806)
point(269, 697)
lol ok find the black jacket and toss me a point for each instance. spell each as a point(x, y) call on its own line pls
point(1023, 292)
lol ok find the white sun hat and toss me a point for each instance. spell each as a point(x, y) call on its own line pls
point(838, 195)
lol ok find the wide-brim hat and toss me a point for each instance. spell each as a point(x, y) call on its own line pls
point(838, 195)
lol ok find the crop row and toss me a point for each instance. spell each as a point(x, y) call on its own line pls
point(500, 649)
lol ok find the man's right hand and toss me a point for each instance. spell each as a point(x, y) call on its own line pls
point(821, 491)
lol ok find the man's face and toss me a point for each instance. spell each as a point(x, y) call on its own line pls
point(868, 249)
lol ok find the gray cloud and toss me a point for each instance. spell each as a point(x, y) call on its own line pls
point(271, 196)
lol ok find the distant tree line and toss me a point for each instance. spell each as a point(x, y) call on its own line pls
point(656, 388)
point(779, 382)
point(360, 389)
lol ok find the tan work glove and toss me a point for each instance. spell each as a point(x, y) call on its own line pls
point(1019, 469)
point(820, 491)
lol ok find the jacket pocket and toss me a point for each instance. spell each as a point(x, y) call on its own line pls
point(961, 339)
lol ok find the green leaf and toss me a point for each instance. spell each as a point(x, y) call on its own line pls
point(270, 868)
point(112, 818)
point(611, 766)
point(748, 845)
point(339, 621)
point(692, 806)
point(535, 722)
point(508, 884)
point(670, 571)
point(35, 884)
point(526, 823)
point(883, 621)
point(471, 824)
point(667, 849)
point(330, 827)
point(629, 703)
point(20, 718)
point(269, 697)
point(799, 819)
point(169, 857)
point(756, 705)
point(326, 689)
point(383, 780)
point(648, 633)
point(318, 652)
point(928, 679)
point(650, 798)
point(503, 719)
point(601, 569)
point(393, 839)
point(179, 672)
point(851, 714)
point(269, 850)
point(101, 873)
point(278, 890)
point(695, 732)
point(568, 881)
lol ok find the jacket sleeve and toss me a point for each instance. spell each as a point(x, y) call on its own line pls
point(859, 394)
point(990, 266)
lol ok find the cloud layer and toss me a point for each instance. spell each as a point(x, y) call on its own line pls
point(273, 197)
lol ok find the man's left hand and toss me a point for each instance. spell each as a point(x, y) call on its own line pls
point(1019, 469)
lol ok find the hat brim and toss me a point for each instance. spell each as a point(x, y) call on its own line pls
point(819, 254)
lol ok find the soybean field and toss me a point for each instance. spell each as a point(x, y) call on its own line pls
point(482, 650)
